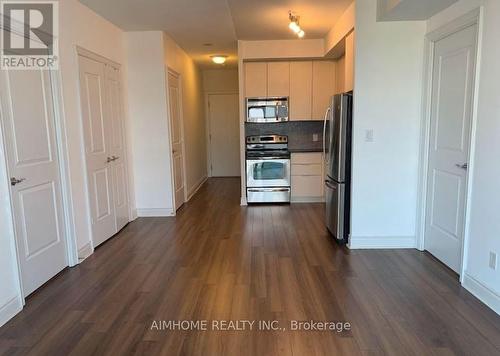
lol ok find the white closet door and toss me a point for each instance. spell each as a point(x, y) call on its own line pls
point(177, 139)
point(97, 148)
point(117, 146)
point(452, 96)
point(27, 111)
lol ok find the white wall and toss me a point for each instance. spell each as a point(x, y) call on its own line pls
point(149, 115)
point(150, 137)
point(484, 225)
point(220, 80)
point(79, 26)
point(387, 100)
point(193, 112)
point(344, 25)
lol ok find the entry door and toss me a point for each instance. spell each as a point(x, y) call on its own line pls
point(176, 135)
point(27, 110)
point(452, 97)
point(117, 146)
point(98, 149)
point(224, 135)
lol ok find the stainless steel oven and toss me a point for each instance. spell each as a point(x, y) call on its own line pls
point(268, 169)
point(268, 172)
point(267, 109)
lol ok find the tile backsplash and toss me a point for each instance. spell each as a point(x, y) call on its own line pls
point(303, 136)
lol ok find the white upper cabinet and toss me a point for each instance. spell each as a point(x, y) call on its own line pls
point(255, 79)
point(300, 90)
point(278, 79)
point(308, 84)
point(323, 87)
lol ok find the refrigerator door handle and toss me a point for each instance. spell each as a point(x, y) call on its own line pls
point(326, 157)
point(329, 185)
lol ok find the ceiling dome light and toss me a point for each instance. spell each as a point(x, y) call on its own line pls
point(219, 59)
point(301, 33)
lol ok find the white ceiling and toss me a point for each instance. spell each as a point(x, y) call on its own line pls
point(408, 10)
point(195, 23)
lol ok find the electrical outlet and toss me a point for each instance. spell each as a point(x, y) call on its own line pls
point(493, 260)
point(315, 137)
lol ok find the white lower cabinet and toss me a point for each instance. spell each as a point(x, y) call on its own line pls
point(307, 177)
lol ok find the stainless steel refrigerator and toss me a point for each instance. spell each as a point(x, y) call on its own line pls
point(337, 139)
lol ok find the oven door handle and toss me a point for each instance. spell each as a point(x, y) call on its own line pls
point(266, 158)
point(257, 190)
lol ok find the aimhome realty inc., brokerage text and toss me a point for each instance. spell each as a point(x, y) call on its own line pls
point(250, 325)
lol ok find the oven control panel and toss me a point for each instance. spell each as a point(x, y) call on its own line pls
point(267, 139)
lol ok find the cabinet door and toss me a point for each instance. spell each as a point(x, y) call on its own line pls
point(256, 79)
point(300, 90)
point(307, 188)
point(278, 79)
point(323, 87)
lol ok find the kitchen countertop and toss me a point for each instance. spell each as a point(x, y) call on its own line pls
point(305, 149)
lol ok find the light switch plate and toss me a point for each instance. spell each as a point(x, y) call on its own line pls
point(493, 260)
point(369, 135)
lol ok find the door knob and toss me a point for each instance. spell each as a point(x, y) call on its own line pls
point(109, 159)
point(463, 166)
point(14, 180)
point(114, 158)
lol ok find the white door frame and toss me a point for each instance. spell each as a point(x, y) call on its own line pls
point(208, 124)
point(470, 19)
point(65, 180)
point(183, 145)
point(80, 51)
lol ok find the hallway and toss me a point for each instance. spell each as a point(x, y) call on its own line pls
point(219, 261)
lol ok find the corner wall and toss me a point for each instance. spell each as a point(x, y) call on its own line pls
point(193, 113)
point(387, 100)
point(148, 111)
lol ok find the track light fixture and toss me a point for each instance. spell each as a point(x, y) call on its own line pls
point(294, 24)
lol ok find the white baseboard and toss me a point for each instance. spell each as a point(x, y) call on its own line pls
point(84, 251)
point(381, 242)
point(155, 212)
point(243, 201)
point(194, 189)
point(10, 309)
point(482, 292)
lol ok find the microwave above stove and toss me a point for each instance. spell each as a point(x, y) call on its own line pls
point(267, 110)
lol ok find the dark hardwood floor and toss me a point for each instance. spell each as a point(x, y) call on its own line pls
point(219, 261)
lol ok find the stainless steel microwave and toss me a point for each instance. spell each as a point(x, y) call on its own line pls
point(267, 109)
